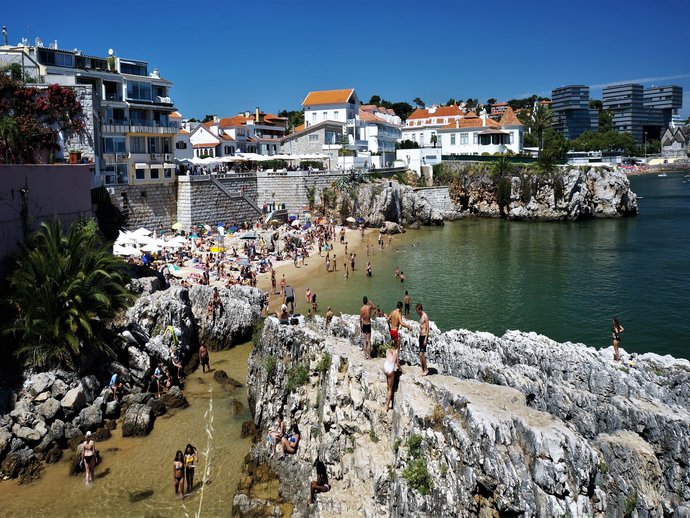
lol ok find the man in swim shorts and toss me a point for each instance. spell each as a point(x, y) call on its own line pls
point(290, 297)
point(395, 322)
point(423, 337)
point(407, 300)
point(365, 326)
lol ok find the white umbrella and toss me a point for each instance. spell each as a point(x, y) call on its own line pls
point(296, 223)
point(151, 247)
point(172, 244)
point(178, 240)
point(125, 250)
point(125, 238)
point(141, 231)
point(144, 240)
point(351, 219)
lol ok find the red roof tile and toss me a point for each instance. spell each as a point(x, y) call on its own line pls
point(440, 111)
point(328, 97)
point(509, 118)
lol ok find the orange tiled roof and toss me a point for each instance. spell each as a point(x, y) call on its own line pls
point(175, 115)
point(499, 104)
point(367, 116)
point(205, 145)
point(471, 122)
point(208, 124)
point(328, 97)
point(237, 120)
point(183, 132)
point(509, 118)
point(299, 128)
point(441, 111)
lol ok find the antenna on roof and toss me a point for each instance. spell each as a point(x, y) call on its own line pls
point(111, 52)
point(38, 42)
point(53, 45)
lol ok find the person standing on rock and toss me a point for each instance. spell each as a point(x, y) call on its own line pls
point(389, 370)
point(423, 337)
point(365, 326)
point(203, 358)
point(329, 317)
point(395, 322)
point(88, 457)
point(616, 331)
point(273, 281)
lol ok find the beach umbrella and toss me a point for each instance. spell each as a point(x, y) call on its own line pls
point(248, 235)
point(207, 227)
point(292, 216)
point(296, 223)
point(125, 250)
point(242, 262)
point(141, 231)
point(360, 220)
point(177, 226)
point(350, 219)
point(172, 244)
point(194, 236)
point(125, 238)
point(151, 247)
point(221, 229)
point(216, 249)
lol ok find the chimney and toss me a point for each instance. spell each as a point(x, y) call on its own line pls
point(256, 116)
point(215, 119)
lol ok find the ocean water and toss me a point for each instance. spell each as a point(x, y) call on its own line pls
point(563, 280)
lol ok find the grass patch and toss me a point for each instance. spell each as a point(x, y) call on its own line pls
point(269, 365)
point(378, 350)
point(631, 503)
point(324, 363)
point(397, 444)
point(372, 435)
point(418, 476)
point(436, 418)
point(602, 467)
point(297, 376)
point(414, 445)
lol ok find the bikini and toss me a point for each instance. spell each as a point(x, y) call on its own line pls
point(178, 470)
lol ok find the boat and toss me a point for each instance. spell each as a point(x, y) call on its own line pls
point(663, 175)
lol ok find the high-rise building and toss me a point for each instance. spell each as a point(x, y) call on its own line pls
point(667, 99)
point(571, 113)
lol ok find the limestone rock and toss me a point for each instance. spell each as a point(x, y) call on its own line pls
point(73, 401)
point(59, 389)
point(112, 410)
point(92, 388)
point(174, 398)
point(138, 421)
point(49, 409)
point(220, 376)
point(23, 413)
point(22, 465)
point(157, 406)
point(91, 418)
point(40, 382)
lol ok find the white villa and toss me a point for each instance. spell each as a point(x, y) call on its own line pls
point(381, 129)
point(247, 132)
point(424, 123)
point(480, 135)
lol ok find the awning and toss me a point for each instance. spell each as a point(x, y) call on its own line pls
point(141, 165)
point(168, 165)
point(494, 132)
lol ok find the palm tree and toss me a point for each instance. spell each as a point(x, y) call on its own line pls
point(9, 132)
point(418, 102)
point(63, 287)
point(541, 119)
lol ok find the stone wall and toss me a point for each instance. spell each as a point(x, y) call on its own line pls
point(438, 198)
point(146, 205)
point(201, 200)
point(86, 141)
point(290, 188)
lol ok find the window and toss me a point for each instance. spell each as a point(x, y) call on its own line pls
point(133, 69)
point(314, 137)
point(325, 116)
point(463, 139)
point(153, 145)
point(138, 91)
point(313, 116)
point(114, 144)
point(180, 145)
point(474, 138)
point(155, 173)
point(140, 174)
point(335, 115)
point(137, 144)
point(452, 139)
point(167, 172)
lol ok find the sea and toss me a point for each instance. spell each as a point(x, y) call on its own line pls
point(565, 280)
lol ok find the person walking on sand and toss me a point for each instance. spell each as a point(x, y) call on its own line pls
point(191, 456)
point(365, 327)
point(423, 337)
point(178, 473)
point(88, 457)
point(290, 298)
point(617, 330)
point(203, 358)
point(395, 322)
point(282, 285)
point(273, 281)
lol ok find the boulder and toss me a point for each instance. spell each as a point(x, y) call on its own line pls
point(138, 421)
point(390, 227)
point(92, 388)
point(157, 406)
point(40, 382)
point(221, 377)
point(50, 409)
point(23, 413)
point(73, 401)
point(23, 465)
point(5, 441)
point(26, 434)
point(57, 430)
point(174, 398)
point(112, 410)
point(53, 455)
point(59, 389)
point(91, 418)
point(42, 397)
point(139, 363)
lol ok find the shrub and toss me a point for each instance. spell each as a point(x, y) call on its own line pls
point(414, 445)
point(417, 475)
point(269, 365)
point(378, 350)
point(504, 189)
point(297, 376)
point(324, 363)
point(372, 435)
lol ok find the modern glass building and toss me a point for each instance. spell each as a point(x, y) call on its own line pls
point(571, 113)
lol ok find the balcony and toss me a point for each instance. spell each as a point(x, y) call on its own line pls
point(149, 127)
point(164, 100)
point(114, 98)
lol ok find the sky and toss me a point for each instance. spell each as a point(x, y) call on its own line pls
point(231, 56)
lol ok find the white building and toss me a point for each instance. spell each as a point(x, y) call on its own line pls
point(336, 106)
point(480, 135)
point(381, 129)
point(423, 124)
point(247, 132)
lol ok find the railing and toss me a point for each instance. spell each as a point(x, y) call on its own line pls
point(114, 98)
point(140, 127)
point(164, 100)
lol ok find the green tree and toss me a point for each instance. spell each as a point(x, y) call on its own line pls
point(451, 101)
point(402, 109)
point(9, 133)
point(207, 118)
point(555, 143)
point(375, 99)
point(595, 104)
point(491, 100)
point(63, 287)
point(605, 121)
point(471, 104)
point(418, 102)
point(294, 118)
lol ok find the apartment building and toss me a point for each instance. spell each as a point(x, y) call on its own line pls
point(571, 113)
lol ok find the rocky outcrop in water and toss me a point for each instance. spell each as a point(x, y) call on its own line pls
point(53, 410)
point(512, 425)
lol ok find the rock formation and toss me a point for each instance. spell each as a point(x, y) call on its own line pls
point(55, 409)
point(512, 425)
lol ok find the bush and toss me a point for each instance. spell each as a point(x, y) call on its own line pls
point(414, 445)
point(418, 476)
point(269, 364)
point(297, 376)
point(503, 195)
point(378, 350)
point(324, 363)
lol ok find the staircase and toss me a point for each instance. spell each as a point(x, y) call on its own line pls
point(236, 195)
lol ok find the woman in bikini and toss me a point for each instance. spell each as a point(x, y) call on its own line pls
point(191, 456)
point(616, 332)
point(291, 442)
point(178, 474)
point(88, 457)
point(389, 370)
point(320, 485)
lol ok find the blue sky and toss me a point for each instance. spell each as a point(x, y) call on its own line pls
point(229, 56)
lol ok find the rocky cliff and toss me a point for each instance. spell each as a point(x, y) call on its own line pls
point(517, 425)
point(53, 410)
point(570, 194)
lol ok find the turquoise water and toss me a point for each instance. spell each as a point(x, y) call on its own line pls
point(563, 280)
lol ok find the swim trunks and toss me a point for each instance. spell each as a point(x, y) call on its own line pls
point(366, 329)
point(407, 308)
point(288, 300)
point(394, 335)
point(422, 343)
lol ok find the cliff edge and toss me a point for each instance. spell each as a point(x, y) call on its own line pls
point(511, 425)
